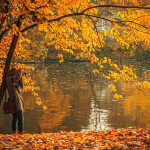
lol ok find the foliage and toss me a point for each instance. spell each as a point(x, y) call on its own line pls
point(113, 139)
point(77, 27)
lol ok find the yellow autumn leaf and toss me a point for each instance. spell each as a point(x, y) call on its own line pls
point(112, 87)
point(95, 71)
point(39, 102)
point(117, 96)
point(35, 94)
point(44, 107)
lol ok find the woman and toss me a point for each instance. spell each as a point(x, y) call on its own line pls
point(14, 83)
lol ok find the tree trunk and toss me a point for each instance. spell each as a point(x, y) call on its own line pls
point(8, 61)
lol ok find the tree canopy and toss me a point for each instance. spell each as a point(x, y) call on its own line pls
point(29, 29)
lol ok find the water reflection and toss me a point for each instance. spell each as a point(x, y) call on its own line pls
point(98, 118)
point(78, 100)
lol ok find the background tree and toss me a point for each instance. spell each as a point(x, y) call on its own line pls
point(73, 26)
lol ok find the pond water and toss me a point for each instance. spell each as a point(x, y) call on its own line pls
point(78, 100)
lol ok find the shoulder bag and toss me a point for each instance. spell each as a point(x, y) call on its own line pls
point(9, 106)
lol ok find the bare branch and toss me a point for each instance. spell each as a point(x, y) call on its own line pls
point(114, 6)
point(119, 22)
point(52, 20)
point(83, 13)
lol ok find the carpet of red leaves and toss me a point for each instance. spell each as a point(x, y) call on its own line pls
point(121, 139)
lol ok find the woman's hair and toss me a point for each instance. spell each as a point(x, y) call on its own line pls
point(12, 72)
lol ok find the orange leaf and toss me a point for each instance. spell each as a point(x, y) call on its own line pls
point(76, 139)
point(1, 146)
point(117, 143)
point(99, 143)
point(20, 142)
point(106, 146)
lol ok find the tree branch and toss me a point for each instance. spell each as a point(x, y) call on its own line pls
point(83, 13)
point(8, 60)
point(120, 22)
point(115, 6)
point(53, 20)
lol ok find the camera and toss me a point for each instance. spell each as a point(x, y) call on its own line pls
point(24, 73)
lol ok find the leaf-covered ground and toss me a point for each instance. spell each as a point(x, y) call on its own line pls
point(120, 139)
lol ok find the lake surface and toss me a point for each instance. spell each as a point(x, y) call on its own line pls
point(78, 100)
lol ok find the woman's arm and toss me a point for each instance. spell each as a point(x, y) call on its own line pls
point(21, 83)
point(18, 76)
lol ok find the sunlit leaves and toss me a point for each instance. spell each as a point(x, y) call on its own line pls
point(117, 96)
point(44, 107)
point(60, 24)
point(146, 84)
point(112, 88)
point(61, 58)
point(137, 23)
point(39, 102)
point(95, 71)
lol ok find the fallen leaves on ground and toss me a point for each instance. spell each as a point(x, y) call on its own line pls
point(138, 139)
